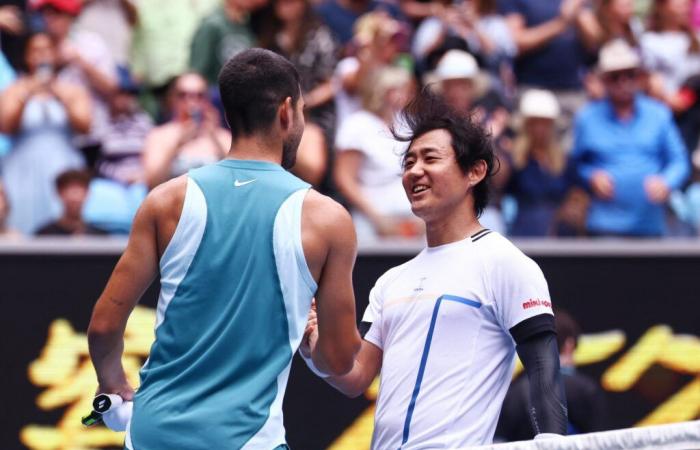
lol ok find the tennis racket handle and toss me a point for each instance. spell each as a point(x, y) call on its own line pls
point(118, 418)
point(116, 413)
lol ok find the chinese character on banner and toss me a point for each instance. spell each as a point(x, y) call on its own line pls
point(66, 373)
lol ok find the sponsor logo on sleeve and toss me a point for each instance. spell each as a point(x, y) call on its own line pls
point(536, 302)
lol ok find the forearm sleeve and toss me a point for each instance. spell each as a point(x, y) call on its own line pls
point(540, 356)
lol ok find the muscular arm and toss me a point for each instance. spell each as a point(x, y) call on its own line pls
point(330, 246)
point(365, 368)
point(537, 349)
point(135, 271)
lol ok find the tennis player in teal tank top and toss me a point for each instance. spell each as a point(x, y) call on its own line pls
point(241, 248)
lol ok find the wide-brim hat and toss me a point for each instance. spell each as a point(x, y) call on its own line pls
point(618, 55)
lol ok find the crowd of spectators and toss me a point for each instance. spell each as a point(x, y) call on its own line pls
point(593, 105)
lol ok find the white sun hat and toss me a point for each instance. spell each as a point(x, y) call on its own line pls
point(539, 103)
point(617, 55)
point(456, 65)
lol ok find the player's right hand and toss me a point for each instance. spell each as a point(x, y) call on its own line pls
point(124, 390)
point(308, 342)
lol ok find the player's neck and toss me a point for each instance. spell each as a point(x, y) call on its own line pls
point(451, 229)
point(255, 149)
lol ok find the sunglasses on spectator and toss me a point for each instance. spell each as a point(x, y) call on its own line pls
point(197, 95)
point(621, 75)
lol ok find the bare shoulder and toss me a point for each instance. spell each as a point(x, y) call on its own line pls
point(163, 207)
point(327, 233)
point(326, 215)
point(167, 196)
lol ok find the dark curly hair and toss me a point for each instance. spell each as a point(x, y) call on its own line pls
point(253, 84)
point(471, 142)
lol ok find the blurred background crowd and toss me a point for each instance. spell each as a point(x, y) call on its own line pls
point(593, 106)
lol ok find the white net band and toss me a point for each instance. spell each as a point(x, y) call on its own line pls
point(677, 436)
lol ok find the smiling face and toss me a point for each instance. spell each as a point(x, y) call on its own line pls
point(435, 184)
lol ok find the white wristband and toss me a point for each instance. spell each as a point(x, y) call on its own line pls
point(310, 364)
point(547, 436)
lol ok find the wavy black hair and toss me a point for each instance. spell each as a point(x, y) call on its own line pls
point(471, 142)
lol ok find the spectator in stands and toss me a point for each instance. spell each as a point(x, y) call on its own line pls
point(377, 41)
point(192, 138)
point(10, 23)
point(121, 15)
point(627, 151)
point(537, 166)
point(292, 29)
point(7, 77)
point(12, 27)
point(5, 230)
point(341, 15)
point(222, 34)
point(119, 188)
point(124, 135)
point(586, 405)
point(671, 50)
point(368, 162)
point(42, 113)
point(161, 44)
point(552, 38)
point(618, 21)
point(83, 57)
point(475, 26)
point(72, 188)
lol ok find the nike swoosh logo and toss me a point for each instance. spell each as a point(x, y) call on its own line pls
point(243, 183)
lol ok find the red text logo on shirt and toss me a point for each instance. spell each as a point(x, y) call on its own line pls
point(535, 302)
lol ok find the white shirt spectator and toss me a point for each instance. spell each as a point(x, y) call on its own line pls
point(93, 49)
point(668, 53)
point(345, 103)
point(380, 173)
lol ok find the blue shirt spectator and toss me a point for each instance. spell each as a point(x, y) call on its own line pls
point(340, 15)
point(537, 181)
point(627, 151)
point(539, 192)
point(550, 35)
point(630, 151)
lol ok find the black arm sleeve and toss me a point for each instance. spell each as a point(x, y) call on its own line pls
point(539, 354)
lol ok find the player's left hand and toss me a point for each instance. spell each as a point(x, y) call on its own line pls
point(656, 189)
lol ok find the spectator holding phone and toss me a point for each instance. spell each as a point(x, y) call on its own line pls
point(42, 114)
point(192, 138)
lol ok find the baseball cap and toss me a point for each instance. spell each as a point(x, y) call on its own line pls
point(456, 64)
point(71, 7)
point(617, 55)
point(539, 103)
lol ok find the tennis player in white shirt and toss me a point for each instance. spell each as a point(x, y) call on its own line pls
point(443, 329)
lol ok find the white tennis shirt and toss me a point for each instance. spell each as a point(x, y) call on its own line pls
point(442, 321)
